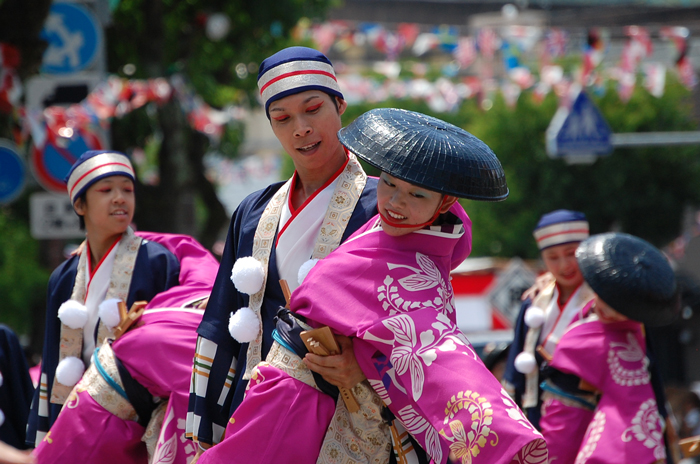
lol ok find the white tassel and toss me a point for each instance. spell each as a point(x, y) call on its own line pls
point(304, 270)
point(73, 314)
point(534, 316)
point(248, 275)
point(69, 371)
point(109, 312)
point(525, 363)
point(244, 325)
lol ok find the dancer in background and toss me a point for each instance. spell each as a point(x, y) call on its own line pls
point(634, 286)
point(116, 264)
point(131, 404)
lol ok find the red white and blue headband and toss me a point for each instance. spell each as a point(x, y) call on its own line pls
point(561, 227)
point(294, 70)
point(93, 166)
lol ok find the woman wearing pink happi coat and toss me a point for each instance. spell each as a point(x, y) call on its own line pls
point(98, 424)
point(634, 285)
point(388, 287)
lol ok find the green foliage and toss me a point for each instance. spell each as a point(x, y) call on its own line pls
point(22, 280)
point(641, 191)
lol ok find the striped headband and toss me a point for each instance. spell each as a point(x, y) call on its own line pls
point(561, 233)
point(294, 70)
point(93, 166)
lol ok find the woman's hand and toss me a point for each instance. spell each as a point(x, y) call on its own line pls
point(341, 370)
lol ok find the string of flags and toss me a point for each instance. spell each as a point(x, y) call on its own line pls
point(115, 97)
point(509, 59)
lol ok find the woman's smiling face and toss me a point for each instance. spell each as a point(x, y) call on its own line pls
point(109, 205)
point(405, 204)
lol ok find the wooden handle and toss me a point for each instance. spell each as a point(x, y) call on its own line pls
point(128, 319)
point(285, 290)
point(690, 446)
point(322, 342)
point(542, 352)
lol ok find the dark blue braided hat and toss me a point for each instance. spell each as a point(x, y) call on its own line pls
point(427, 152)
point(632, 276)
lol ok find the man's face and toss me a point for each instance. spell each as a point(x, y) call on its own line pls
point(560, 260)
point(109, 206)
point(306, 125)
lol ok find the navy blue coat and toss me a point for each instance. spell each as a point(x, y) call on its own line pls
point(156, 269)
point(225, 299)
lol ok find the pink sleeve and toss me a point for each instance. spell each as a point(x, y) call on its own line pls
point(581, 351)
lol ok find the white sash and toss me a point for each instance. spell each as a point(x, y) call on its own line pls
point(345, 196)
point(555, 324)
point(95, 291)
point(299, 233)
point(71, 343)
point(551, 331)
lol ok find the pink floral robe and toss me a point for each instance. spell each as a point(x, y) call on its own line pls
point(392, 294)
point(626, 426)
point(158, 353)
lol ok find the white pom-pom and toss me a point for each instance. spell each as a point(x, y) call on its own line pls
point(304, 270)
point(534, 316)
point(73, 314)
point(525, 363)
point(244, 325)
point(109, 312)
point(248, 275)
point(69, 371)
point(2, 417)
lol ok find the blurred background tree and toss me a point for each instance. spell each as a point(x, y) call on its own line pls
point(641, 191)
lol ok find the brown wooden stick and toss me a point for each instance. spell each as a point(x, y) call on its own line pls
point(546, 356)
point(286, 291)
point(130, 318)
point(690, 446)
point(322, 342)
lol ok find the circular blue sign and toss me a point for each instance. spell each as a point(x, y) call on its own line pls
point(74, 38)
point(12, 172)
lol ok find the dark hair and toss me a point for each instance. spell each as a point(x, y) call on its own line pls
point(335, 99)
point(83, 199)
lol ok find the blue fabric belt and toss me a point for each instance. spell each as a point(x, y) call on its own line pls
point(278, 338)
point(112, 383)
point(547, 386)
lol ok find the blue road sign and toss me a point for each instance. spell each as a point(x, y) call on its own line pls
point(12, 172)
point(74, 36)
point(579, 131)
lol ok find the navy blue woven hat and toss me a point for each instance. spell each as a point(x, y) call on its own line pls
point(294, 70)
point(560, 227)
point(428, 152)
point(94, 165)
point(632, 276)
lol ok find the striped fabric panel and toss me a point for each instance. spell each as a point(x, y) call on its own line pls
point(402, 445)
point(201, 368)
point(228, 383)
point(563, 232)
point(43, 410)
point(203, 359)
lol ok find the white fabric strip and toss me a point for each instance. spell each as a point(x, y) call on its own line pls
point(95, 291)
point(96, 166)
point(553, 329)
point(563, 232)
point(296, 245)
